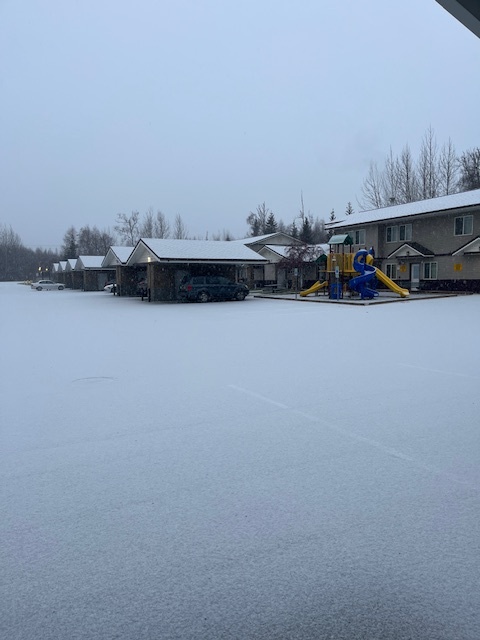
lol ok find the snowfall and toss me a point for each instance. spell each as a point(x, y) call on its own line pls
point(266, 469)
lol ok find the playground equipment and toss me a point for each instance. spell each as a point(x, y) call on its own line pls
point(315, 287)
point(391, 284)
point(345, 270)
point(362, 263)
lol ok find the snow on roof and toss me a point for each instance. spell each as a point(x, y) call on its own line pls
point(116, 255)
point(62, 265)
point(279, 249)
point(283, 251)
point(262, 239)
point(70, 264)
point(194, 250)
point(433, 205)
point(254, 239)
point(89, 262)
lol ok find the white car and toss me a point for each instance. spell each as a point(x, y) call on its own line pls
point(47, 284)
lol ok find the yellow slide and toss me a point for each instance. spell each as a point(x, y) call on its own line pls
point(315, 287)
point(391, 284)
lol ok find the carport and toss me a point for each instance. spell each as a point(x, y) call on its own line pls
point(116, 258)
point(166, 262)
point(95, 276)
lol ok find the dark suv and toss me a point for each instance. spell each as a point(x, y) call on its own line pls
point(205, 288)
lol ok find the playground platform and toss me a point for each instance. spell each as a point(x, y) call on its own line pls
point(384, 297)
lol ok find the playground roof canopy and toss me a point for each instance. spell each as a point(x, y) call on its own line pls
point(343, 238)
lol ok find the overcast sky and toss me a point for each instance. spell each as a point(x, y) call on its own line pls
point(207, 108)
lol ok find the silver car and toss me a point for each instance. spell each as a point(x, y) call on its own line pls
point(47, 284)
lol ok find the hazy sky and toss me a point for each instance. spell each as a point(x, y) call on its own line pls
point(207, 108)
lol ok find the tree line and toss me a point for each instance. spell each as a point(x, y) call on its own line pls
point(18, 262)
point(436, 171)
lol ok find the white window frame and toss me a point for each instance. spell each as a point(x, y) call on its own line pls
point(358, 236)
point(427, 267)
point(407, 232)
point(393, 233)
point(391, 270)
point(464, 219)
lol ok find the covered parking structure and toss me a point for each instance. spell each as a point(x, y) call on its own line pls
point(94, 275)
point(163, 264)
point(116, 258)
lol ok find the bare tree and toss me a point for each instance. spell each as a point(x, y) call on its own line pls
point(128, 228)
point(106, 240)
point(391, 178)
point(428, 173)
point(372, 189)
point(10, 254)
point(180, 231)
point(147, 226)
point(408, 188)
point(470, 170)
point(297, 257)
point(93, 242)
point(448, 169)
point(403, 179)
point(318, 231)
point(162, 226)
point(258, 220)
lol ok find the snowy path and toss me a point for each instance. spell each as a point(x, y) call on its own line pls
point(255, 470)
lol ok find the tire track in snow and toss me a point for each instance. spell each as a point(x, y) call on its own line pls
point(375, 444)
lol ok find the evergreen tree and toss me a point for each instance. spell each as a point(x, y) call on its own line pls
point(70, 244)
point(271, 224)
point(349, 210)
point(306, 234)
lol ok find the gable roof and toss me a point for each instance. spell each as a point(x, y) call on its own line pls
point(116, 255)
point(89, 262)
point(471, 248)
point(182, 251)
point(283, 250)
point(411, 250)
point(278, 235)
point(70, 264)
point(62, 265)
point(422, 207)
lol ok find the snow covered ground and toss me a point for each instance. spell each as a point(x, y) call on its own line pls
point(264, 469)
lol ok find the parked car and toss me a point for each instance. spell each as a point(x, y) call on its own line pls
point(47, 284)
point(206, 288)
point(110, 287)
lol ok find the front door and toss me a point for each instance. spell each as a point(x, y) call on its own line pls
point(414, 276)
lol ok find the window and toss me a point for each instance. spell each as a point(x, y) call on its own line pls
point(358, 236)
point(405, 232)
point(392, 234)
point(430, 270)
point(402, 233)
point(463, 226)
point(391, 270)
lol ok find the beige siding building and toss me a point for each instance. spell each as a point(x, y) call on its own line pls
point(431, 244)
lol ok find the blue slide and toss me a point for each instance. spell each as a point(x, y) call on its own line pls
point(367, 275)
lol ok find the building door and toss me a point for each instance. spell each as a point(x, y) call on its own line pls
point(414, 276)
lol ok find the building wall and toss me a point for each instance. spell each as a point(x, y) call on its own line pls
point(436, 233)
point(433, 232)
